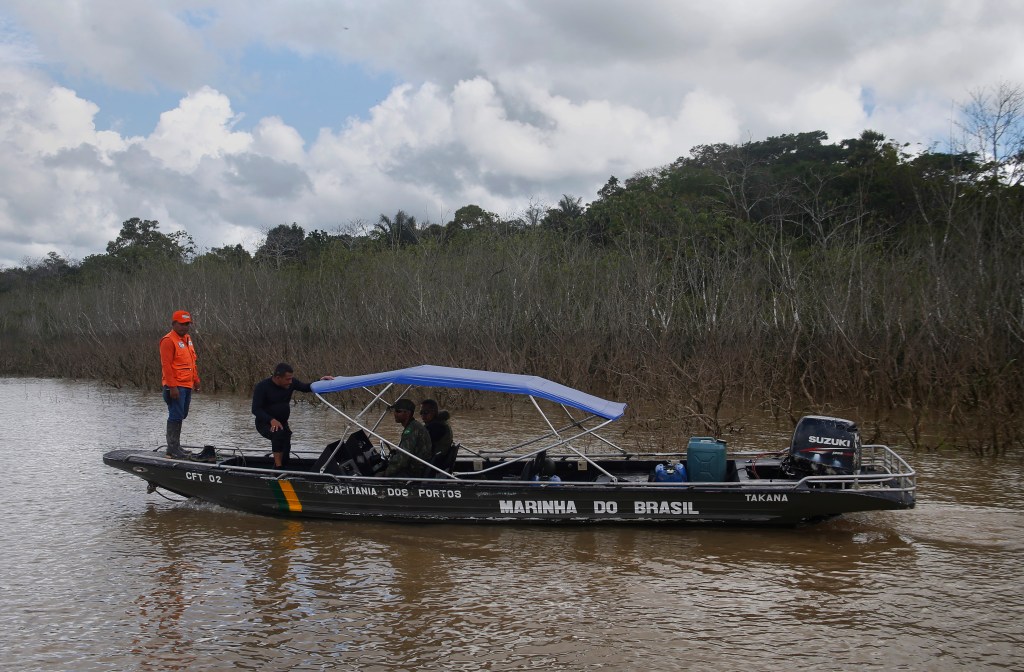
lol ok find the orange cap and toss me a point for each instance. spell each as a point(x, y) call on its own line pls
point(182, 316)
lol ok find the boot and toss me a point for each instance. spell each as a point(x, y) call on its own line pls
point(174, 448)
point(208, 454)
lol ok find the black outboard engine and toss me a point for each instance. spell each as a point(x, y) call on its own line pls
point(825, 446)
point(355, 457)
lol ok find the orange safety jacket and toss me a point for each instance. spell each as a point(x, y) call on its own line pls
point(178, 361)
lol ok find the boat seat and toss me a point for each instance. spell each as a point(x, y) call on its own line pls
point(446, 460)
point(356, 456)
point(329, 466)
point(540, 468)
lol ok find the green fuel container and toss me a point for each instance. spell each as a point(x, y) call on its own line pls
point(705, 459)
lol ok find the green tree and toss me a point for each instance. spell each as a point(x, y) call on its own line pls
point(141, 243)
point(474, 217)
point(282, 245)
point(565, 215)
point(396, 233)
point(317, 242)
point(234, 255)
point(51, 267)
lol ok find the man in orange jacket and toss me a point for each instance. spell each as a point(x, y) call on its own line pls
point(179, 378)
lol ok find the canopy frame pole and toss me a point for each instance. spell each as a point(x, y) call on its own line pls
point(568, 443)
point(525, 456)
point(376, 396)
point(580, 423)
point(600, 438)
point(518, 458)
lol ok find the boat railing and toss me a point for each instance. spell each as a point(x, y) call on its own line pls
point(880, 468)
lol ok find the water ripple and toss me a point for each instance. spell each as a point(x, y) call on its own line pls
point(99, 576)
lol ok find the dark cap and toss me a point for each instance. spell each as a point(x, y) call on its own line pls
point(404, 405)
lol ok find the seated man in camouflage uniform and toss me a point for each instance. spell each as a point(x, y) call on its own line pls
point(415, 440)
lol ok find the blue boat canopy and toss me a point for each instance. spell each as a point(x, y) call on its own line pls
point(490, 381)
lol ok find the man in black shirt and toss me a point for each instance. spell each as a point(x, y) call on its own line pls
point(271, 404)
point(436, 422)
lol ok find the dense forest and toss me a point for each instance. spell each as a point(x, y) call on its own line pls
point(791, 274)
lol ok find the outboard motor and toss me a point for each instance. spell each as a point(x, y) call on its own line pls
point(825, 446)
point(355, 457)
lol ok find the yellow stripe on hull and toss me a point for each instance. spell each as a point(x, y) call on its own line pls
point(294, 505)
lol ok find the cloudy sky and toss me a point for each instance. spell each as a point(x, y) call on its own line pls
point(225, 119)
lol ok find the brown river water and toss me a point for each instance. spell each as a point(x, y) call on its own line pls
point(98, 575)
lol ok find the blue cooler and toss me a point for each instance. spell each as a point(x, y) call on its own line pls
point(705, 459)
point(672, 474)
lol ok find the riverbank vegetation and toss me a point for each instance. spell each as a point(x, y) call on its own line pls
point(790, 274)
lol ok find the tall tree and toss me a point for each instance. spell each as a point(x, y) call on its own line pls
point(994, 122)
point(473, 217)
point(397, 232)
point(282, 245)
point(141, 242)
point(564, 216)
point(235, 255)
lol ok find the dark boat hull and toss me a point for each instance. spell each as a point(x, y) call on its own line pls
point(314, 495)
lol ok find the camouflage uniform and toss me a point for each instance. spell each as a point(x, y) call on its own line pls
point(415, 440)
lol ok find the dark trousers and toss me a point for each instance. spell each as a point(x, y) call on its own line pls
point(280, 441)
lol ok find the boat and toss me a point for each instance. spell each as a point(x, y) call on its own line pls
point(569, 473)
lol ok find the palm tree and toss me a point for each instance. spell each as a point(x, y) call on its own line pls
point(397, 232)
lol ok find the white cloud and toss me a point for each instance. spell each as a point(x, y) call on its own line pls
point(134, 45)
point(502, 102)
point(274, 138)
point(840, 104)
point(497, 143)
point(41, 118)
point(201, 126)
